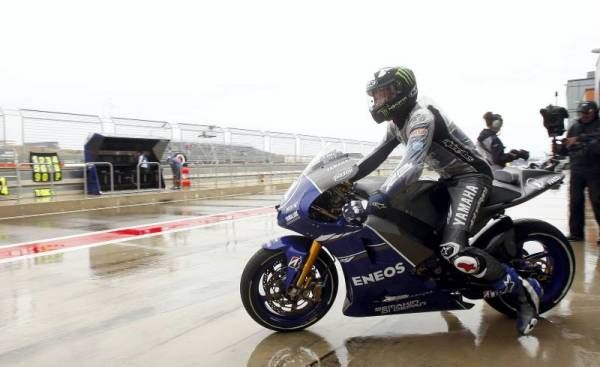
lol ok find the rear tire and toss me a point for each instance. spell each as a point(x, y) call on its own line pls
point(267, 302)
point(556, 267)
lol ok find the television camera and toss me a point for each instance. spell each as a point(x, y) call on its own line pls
point(554, 122)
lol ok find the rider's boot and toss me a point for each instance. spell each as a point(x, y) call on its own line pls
point(529, 305)
point(528, 293)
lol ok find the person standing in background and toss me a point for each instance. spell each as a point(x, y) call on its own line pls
point(175, 165)
point(491, 147)
point(583, 149)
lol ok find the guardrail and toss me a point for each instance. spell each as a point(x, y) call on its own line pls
point(93, 164)
point(214, 175)
point(137, 171)
point(50, 175)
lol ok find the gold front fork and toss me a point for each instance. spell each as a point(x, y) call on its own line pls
point(312, 257)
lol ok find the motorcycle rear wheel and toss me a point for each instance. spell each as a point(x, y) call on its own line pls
point(546, 255)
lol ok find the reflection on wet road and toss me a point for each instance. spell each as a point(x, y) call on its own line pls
point(173, 300)
point(57, 225)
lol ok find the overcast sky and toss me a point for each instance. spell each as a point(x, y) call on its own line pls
point(295, 66)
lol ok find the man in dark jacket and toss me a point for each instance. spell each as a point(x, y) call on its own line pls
point(491, 147)
point(583, 148)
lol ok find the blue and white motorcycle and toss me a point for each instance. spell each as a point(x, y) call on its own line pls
point(391, 264)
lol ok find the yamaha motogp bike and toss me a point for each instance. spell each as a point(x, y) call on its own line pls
point(391, 264)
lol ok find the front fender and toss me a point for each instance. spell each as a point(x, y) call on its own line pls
point(297, 242)
point(296, 249)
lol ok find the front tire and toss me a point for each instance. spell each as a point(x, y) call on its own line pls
point(553, 264)
point(269, 304)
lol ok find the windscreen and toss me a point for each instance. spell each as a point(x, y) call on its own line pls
point(329, 168)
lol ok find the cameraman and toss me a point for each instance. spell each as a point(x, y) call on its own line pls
point(582, 144)
point(491, 147)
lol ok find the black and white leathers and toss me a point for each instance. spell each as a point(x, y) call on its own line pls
point(432, 139)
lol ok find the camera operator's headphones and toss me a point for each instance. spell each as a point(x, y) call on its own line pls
point(493, 120)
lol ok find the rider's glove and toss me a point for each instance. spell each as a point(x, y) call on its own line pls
point(356, 211)
point(523, 154)
point(519, 153)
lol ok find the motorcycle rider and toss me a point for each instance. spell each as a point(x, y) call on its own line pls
point(430, 137)
point(490, 146)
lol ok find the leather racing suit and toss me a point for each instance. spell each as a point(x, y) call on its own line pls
point(431, 138)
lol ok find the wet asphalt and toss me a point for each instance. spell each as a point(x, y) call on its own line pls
point(173, 300)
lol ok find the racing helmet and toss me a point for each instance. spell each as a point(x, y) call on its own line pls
point(393, 93)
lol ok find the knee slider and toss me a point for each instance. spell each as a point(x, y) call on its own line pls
point(465, 259)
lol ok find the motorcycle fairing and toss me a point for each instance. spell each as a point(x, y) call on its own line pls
point(293, 213)
point(422, 200)
point(376, 269)
point(529, 182)
point(380, 279)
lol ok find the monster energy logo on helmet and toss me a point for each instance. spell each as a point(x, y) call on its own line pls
point(406, 75)
point(394, 93)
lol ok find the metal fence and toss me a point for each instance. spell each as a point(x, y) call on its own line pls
point(2, 126)
point(65, 130)
point(147, 128)
point(21, 186)
point(203, 143)
point(218, 156)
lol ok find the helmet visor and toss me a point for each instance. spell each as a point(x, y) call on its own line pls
point(380, 96)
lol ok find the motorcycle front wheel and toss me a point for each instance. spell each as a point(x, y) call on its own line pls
point(268, 302)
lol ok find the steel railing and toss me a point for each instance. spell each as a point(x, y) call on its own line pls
point(202, 175)
point(86, 165)
point(29, 164)
point(139, 184)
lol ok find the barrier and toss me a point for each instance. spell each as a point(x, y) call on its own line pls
point(218, 156)
point(201, 177)
point(203, 142)
point(32, 165)
point(67, 130)
point(185, 177)
point(2, 126)
point(93, 164)
point(139, 165)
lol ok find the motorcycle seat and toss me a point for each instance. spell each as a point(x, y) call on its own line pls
point(498, 193)
point(502, 194)
point(522, 177)
point(508, 175)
